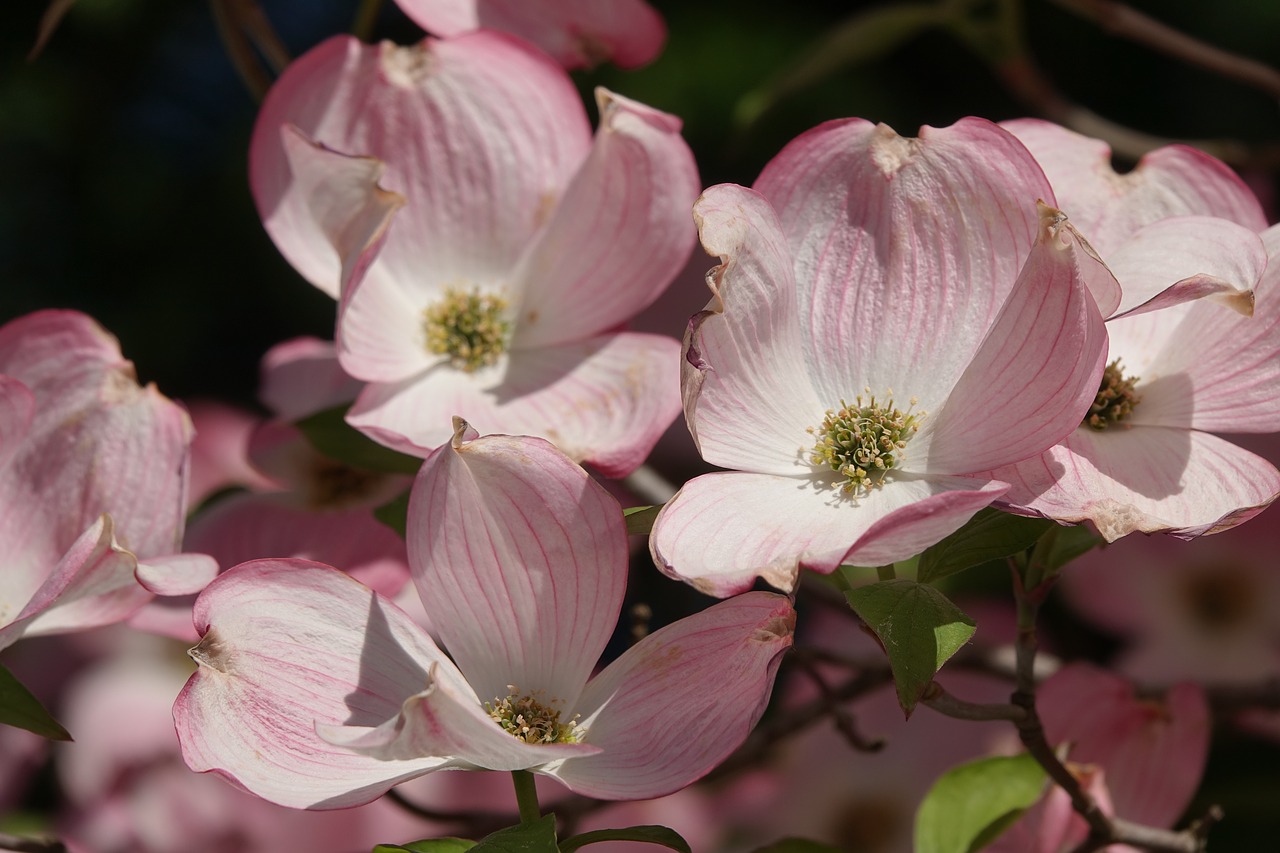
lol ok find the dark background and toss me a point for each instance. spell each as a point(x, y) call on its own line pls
point(123, 190)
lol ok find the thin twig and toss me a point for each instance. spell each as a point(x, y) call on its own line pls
point(650, 486)
point(239, 51)
point(1120, 20)
point(937, 698)
point(258, 26)
point(841, 716)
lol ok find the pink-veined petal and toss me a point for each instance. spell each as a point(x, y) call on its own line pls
point(674, 705)
point(1184, 258)
point(1215, 370)
point(1152, 752)
point(748, 399)
point(343, 196)
point(93, 584)
point(521, 562)
point(723, 530)
point(1144, 479)
point(219, 451)
point(128, 450)
point(605, 400)
point(288, 645)
point(618, 235)
point(442, 720)
point(177, 574)
point(1037, 372)
point(302, 376)
point(578, 33)
point(479, 116)
point(905, 249)
point(17, 408)
point(1108, 207)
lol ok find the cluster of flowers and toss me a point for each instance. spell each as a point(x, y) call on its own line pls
point(902, 331)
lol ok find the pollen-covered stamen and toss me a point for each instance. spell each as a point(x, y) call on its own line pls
point(864, 440)
point(531, 721)
point(468, 326)
point(1116, 398)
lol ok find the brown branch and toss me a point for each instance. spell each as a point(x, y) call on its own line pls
point(1120, 20)
point(239, 51)
point(937, 698)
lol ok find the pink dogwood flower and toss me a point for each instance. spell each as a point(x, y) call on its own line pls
point(889, 314)
point(1146, 459)
point(493, 274)
point(313, 691)
point(93, 478)
point(578, 33)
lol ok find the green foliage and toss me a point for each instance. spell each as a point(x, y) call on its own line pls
point(970, 805)
point(395, 513)
point(538, 836)
point(919, 628)
point(330, 434)
point(640, 519)
point(19, 708)
point(989, 535)
point(662, 835)
point(797, 845)
point(1060, 545)
point(428, 845)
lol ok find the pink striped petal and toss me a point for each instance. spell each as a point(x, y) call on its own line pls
point(93, 584)
point(1039, 367)
point(177, 574)
point(1151, 752)
point(17, 408)
point(302, 376)
point(1213, 369)
point(884, 230)
point(290, 645)
point(1108, 207)
point(578, 33)
point(604, 401)
point(343, 196)
point(477, 116)
point(624, 218)
point(446, 720)
point(679, 701)
point(723, 530)
point(130, 449)
point(1144, 479)
point(748, 398)
point(521, 561)
point(1184, 258)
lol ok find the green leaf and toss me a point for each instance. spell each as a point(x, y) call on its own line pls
point(1063, 544)
point(664, 835)
point(919, 628)
point(20, 709)
point(428, 845)
point(395, 513)
point(536, 837)
point(639, 519)
point(797, 845)
point(971, 804)
point(330, 434)
point(989, 535)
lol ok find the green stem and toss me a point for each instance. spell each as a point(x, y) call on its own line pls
point(886, 573)
point(526, 797)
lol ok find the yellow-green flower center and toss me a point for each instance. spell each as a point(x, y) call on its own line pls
point(1116, 398)
point(531, 721)
point(469, 327)
point(862, 441)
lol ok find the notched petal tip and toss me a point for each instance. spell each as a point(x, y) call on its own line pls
point(1239, 301)
point(781, 626)
point(463, 432)
point(211, 652)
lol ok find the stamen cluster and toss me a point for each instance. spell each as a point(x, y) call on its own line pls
point(863, 441)
point(531, 721)
point(1115, 400)
point(468, 326)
